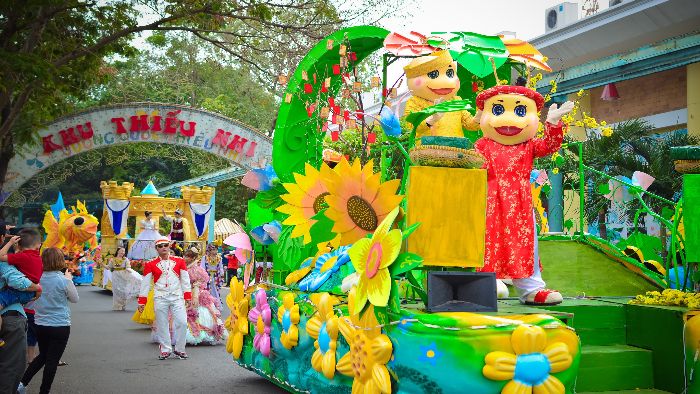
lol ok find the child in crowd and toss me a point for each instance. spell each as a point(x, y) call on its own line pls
point(28, 261)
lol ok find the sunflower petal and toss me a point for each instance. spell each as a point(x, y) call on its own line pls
point(360, 388)
point(328, 364)
point(344, 365)
point(313, 327)
point(499, 366)
point(391, 246)
point(379, 288)
point(380, 376)
point(551, 385)
point(558, 356)
point(361, 296)
point(381, 349)
point(386, 223)
point(358, 253)
point(528, 339)
point(515, 387)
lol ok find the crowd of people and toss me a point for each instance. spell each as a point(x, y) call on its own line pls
point(178, 296)
point(35, 289)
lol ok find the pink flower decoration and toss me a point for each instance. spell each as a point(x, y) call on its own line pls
point(261, 317)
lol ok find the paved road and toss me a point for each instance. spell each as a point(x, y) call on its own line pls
point(108, 353)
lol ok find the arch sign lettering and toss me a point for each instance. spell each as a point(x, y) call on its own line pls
point(102, 127)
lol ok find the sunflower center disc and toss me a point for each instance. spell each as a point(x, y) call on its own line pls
point(320, 202)
point(362, 214)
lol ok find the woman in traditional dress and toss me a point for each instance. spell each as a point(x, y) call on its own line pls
point(204, 324)
point(211, 262)
point(144, 245)
point(126, 282)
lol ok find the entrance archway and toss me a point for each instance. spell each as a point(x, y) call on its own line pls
point(241, 145)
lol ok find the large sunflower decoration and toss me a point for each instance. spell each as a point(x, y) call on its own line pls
point(304, 199)
point(357, 200)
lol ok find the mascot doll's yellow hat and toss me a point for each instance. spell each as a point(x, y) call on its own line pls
point(425, 64)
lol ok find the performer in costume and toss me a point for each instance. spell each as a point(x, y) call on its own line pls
point(204, 312)
point(509, 120)
point(177, 230)
point(211, 262)
point(143, 249)
point(433, 79)
point(171, 290)
point(126, 283)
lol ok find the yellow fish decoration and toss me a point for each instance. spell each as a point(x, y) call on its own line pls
point(71, 230)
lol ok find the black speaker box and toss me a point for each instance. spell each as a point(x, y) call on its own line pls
point(457, 291)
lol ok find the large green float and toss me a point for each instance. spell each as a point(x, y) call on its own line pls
point(306, 333)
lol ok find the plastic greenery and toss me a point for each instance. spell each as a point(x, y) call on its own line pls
point(472, 51)
point(418, 117)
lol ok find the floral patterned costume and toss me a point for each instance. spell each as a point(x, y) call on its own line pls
point(204, 322)
point(510, 225)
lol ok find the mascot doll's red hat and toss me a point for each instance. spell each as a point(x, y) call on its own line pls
point(509, 89)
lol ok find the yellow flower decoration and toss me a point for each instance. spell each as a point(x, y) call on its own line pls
point(358, 201)
point(529, 368)
point(305, 198)
point(370, 350)
point(371, 259)
point(237, 322)
point(288, 316)
point(323, 327)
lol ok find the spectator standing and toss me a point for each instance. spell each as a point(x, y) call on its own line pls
point(13, 356)
point(52, 319)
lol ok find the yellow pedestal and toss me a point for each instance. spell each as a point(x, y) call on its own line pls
point(450, 204)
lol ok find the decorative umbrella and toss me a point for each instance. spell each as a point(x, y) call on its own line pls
point(260, 179)
point(267, 233)
point(411, 44)
point(241, 242)
point(524, 52)
point(472, 51)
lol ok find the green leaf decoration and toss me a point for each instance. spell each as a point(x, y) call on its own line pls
point(322, 230)
point(417, 287)
point(405, 262)
point(382, 315)
point(258, 214)
point(604, 188)
point(271, 199)
point(416, 118)
point(651, 247)
point(568, 224)
point(290, 251)
point(472, 50)
point(560, 161)
point(546, 189)
point(394, 300)
point(409, 230)
point(667, 213)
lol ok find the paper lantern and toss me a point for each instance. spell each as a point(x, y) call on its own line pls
point(610, 92)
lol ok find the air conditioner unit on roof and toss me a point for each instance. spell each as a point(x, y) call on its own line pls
point(613, 3)
point(559, 16)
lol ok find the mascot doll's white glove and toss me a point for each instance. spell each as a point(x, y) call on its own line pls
point(555, 113)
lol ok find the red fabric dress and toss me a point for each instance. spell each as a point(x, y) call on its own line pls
point(509, 222)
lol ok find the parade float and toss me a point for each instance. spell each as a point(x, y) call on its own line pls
point(73, 231)
point(120, 204)
point(376, 283)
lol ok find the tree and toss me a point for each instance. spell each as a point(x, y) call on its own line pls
point(632, 147)
point(54, 50)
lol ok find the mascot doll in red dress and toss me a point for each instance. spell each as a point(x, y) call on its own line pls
point(509, 118)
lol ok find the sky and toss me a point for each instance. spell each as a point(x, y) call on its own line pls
point(524, 17)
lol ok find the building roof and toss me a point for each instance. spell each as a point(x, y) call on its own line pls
point(619, 29)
